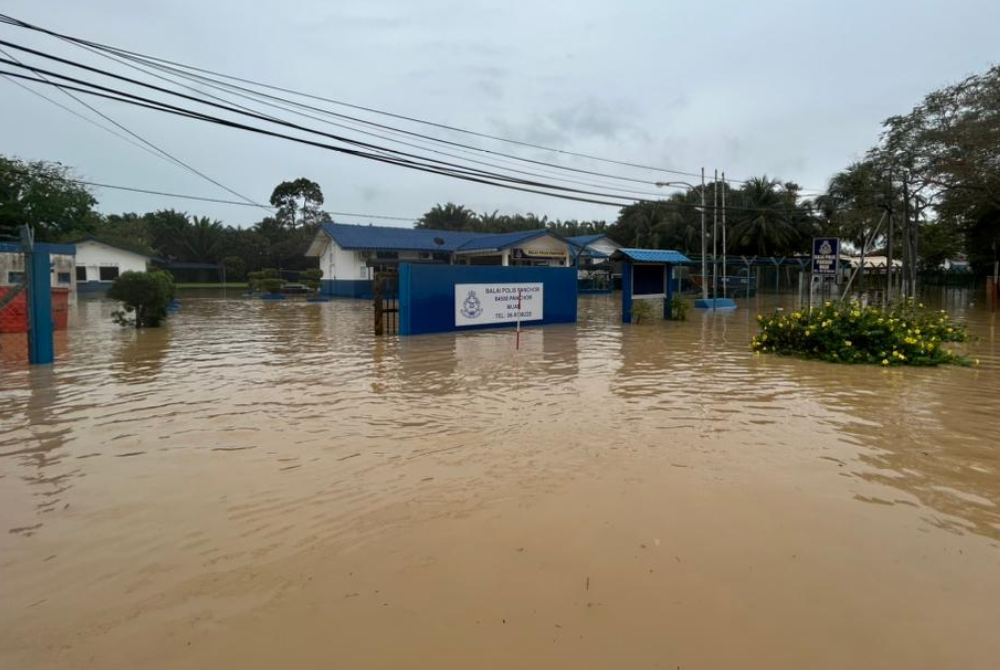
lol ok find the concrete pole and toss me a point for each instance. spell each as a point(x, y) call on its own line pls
point(723, 234)
point(704, 267)
point(715, 236)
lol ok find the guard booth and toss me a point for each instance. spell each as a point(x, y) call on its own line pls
point(648, 274)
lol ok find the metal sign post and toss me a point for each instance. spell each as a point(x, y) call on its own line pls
point(825, 263)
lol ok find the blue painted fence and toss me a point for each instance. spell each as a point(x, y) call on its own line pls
point(427, 294)
point(347, 288)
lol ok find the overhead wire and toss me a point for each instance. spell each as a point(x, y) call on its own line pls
point(365, 145)
point(144, 142)
point(440, 167)
point(174, 65)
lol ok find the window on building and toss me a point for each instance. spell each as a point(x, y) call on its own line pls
point(364, 272)
point(15, 277)
point(109, 273)
point(387, 254)
point(64, 278)
point(81, 273)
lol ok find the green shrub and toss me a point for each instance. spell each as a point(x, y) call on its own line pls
point(268, 279)
point(271, 284)
point(145, 297)
point(679, 308)
point(641, 309)
point(906, 334)
point(311, 278)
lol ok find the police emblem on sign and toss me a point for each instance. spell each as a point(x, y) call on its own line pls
point(471, 307)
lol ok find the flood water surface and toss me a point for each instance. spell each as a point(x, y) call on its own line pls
point(261, 485)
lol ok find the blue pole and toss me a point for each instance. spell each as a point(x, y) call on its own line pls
point(41, 350)
point(626, 292)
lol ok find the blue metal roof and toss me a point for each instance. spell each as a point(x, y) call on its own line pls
point(355, 237)
point(59, 249)
point(502, 240)
point(584, 240)
point(653, 255)
point(349, 236)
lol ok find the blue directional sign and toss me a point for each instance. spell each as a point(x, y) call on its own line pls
point(826, 255)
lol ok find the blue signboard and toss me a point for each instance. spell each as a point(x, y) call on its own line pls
point(826, 255)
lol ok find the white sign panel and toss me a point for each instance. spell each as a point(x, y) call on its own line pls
point(477, 304)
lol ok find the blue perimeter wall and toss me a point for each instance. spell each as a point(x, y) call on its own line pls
point(347, 288)
point(427, 294)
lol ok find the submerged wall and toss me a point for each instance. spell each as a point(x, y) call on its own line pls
point(427, 294)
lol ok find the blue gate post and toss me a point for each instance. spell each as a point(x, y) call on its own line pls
point(41, 350)
point(626, 292)
point(668, 298)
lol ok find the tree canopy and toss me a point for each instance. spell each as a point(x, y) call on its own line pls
point(45, 196)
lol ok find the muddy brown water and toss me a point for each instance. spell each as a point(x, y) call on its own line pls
point(262, 485)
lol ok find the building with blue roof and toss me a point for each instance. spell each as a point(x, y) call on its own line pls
point(592, 254)
point(349, 254)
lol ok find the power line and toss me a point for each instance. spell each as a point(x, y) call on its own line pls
point(442, 167)
point(158, 63)
point(256, 96)
point(458, 173)
point(159, 151)
point(150, 60)
point(400, 158)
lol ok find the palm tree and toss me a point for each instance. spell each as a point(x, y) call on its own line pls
point(449, 217)
point(202, 240)
point(765, 218)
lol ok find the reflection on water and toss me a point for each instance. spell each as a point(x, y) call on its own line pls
point(247, 430)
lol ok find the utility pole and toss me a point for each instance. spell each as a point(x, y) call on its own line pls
point(907, 277)
point(887, 299)
point(715, 235)
point(704, 266)
point(723, 233)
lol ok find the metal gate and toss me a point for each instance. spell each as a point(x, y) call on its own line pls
point(386, 292)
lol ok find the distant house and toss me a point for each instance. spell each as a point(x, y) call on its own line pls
point(592, 255)
point(98, 264)
point(592, 251)
point(349, 255)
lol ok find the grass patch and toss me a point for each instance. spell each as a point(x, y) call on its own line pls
point(841, 332)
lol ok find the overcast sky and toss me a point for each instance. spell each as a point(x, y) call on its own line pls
point(790, 88)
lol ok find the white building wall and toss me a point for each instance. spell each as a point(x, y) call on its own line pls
point(338, 263)
point(95, 255)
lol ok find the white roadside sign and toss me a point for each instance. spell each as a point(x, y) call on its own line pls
point(478, 304)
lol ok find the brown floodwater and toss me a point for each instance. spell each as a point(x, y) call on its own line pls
point(263, 485)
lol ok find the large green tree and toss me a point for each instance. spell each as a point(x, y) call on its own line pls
point(298, 202)
point(947, 149)
point(46, 196)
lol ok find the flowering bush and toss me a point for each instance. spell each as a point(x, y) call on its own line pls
point(842, 332)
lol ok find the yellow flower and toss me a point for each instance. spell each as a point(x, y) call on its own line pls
point(847, 343)
point(885, 361)
point(975, 362)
